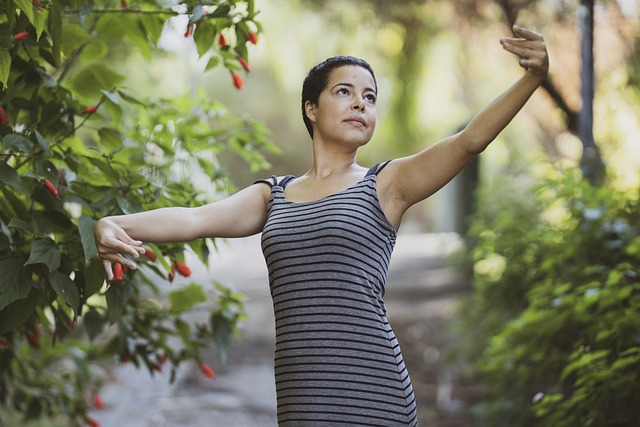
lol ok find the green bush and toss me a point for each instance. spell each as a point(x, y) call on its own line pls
point(76, 145)
point(553, 327)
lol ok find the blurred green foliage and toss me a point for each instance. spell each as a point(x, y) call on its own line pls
point(552, 328)
point(77, 145)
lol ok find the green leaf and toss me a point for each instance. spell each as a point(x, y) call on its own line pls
point(91, 79)
point(17, 142)
point(96, 50)
point(20, 224)
point(93, 323)
point(110, 138)
point(14, 283)
point(55, 30)
point(204, 36)
point(44, 144)
point(44, 251)
point(65, 288)
point(130, 98)
point(18, 312)
point(26, 6)
point(73, 37)
point(94, 277)
point(184, 299)
point(5, 66)
point(213, 62)
point(86, 227)
point(9, 176)
point(117, 296)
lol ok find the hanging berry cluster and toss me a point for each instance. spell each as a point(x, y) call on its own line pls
point(234, 57)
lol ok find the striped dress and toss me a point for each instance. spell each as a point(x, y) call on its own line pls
point(337, 361)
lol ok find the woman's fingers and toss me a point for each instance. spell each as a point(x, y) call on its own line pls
point(107, 268)
point(531, 49)
point(525, 33)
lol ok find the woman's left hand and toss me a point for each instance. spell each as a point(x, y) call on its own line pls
point(531, 49)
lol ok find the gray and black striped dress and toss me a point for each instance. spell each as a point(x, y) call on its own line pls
point(337, 361)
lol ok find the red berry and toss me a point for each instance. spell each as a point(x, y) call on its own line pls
point(4, 117)
point(21, 35)
point(183, 269)
point(206, 370)
point(91, 109)
point(118, 272)
point(97, 401)
point(3, 342)
point(172, 274)
point(244, 64)
point(222, 42)
point(253, 37)
point(52, 189)
point(92, 422)
point(190, 27)
point(237, 81)
point(33, 338)
point(151, 255)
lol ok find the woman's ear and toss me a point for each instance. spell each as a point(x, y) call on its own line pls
point(310, 111)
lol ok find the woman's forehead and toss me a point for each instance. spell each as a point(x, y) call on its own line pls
point(352, 74)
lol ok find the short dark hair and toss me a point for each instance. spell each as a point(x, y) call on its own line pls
point(318, 76)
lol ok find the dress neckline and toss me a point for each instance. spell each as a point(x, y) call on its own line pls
point(289, 178)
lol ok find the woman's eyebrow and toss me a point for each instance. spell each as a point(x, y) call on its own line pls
point(352, 86)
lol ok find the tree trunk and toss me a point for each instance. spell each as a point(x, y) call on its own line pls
point(591, 164)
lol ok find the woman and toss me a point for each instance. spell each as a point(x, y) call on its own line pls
point(327, 237)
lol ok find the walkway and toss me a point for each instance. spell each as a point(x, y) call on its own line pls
point(422, 295)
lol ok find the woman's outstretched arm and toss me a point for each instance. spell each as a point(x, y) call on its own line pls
point(242, 214)
point(416, 177)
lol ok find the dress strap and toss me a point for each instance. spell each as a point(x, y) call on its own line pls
point(273, 181)
point(286, 180)
point(269, 181)
point(375, 169)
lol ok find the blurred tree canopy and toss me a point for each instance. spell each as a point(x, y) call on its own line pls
point(77, 144)
point(421, 24)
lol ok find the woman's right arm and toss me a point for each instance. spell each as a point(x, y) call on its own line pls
point(240, 215)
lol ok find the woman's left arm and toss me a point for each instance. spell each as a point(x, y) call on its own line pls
point(416, 177)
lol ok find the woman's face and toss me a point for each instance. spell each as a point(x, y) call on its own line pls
point(346, 109)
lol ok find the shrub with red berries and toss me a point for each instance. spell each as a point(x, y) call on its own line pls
point(78, 142)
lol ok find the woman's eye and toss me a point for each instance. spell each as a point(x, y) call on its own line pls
point(370, 98)
point(343, 90)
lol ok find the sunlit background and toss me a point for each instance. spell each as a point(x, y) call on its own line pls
point(437, 63)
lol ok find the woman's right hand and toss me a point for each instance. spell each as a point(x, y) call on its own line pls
point(113, 243)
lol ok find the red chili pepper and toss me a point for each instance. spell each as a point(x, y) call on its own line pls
point(207, 371)
point(244, 64)
point(190, 27)
point(172, 274)
point(97, 401)
point(183, 269)
point(222, 42)
point(21, 35)
point(91, 109)
point(4, 117)
point(118, 272)
point(151, 255)
point(52, 189)
point(33, 338)
point(253, 37)
point(125, 357)
point(92, 422)
point(237, 81)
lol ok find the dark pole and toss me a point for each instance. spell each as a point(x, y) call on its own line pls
point(591, 163)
